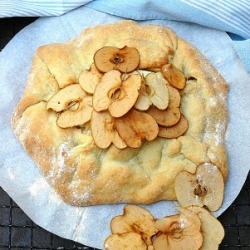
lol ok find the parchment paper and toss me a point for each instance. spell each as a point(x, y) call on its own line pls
point(21, 178)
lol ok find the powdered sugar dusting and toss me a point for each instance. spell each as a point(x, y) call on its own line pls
point(217, 135)
point(79, 193)
point(58, 164)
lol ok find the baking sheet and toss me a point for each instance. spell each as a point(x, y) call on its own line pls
point(21, 178)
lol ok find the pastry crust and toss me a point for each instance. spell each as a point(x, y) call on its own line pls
point(84, 174)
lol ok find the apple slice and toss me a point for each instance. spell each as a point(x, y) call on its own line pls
point(125, 241)
point(135, 126)
point(204, 188)
point(124, 98)
point(159, 95)
point(174, 97)
point(76, 116)
point(89, 79)
point(178, 232)
point(111, 81)
point(103, 131)
point(174, 131)
point(124, 59)
point(116, 95)
point(174, 76)
point(135, 219)
point(167, 117)
point(63, 99)
point(211, 229)
point(154, 91)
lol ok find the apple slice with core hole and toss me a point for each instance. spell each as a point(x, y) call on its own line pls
point(135, 219)
point(204, 188)
point(125, 241)
point(124, 59)
point(178, 232)
point(154, 91)
point(63, 99)
point(115, 94)
point(76, 116)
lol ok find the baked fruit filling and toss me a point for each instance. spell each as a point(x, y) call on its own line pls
point(123, 103)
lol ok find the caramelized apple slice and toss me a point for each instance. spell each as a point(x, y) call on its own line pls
point(174, 76)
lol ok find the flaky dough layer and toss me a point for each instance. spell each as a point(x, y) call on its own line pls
point(83, 174)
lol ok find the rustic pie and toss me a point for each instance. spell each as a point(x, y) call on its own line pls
point(114, 115)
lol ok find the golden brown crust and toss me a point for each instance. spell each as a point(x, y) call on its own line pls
point(84, 174)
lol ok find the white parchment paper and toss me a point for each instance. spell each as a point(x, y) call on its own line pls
point(22, 180)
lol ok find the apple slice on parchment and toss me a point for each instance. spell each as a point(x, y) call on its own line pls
point(203, 188)
point(211, 229)
point(178, 232)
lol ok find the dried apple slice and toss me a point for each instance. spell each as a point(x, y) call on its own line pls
point(174, 97)
point(174, 131)
point(77, 117)
point(124, 59)
point(135, 219)
point(159, 92)
point(135, 126)
point(125, 241)
point(116, 94)
point(103, 131)
point(124, 98)
point(174, 76)
point(109, 82)
point(204, 188)
point(167, 117)
point(65, 97)
point(154, 91)
point(89, 79)
point(178, 232)
point(211, 229)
